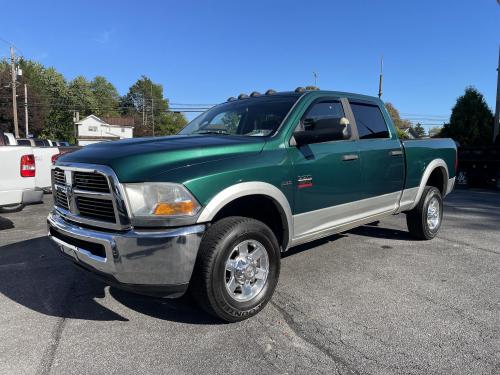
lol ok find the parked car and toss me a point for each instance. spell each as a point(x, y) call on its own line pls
point(215, 206)
point(62, 143)
point(18, 171)
point(479, 166)
point(9, 139)
point(44, 156)
point(34, 142)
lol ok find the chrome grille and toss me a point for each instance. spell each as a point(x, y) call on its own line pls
point(61, 199)
point(59, 177)
point(95, 208)
point(89, 194)
point(90, 181)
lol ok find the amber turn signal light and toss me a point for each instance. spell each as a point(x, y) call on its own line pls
point(175, 208)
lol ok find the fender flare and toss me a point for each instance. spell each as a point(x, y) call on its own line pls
point(431, 167)
point(229, 194)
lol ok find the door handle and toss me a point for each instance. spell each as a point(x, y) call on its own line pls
point(348, 157)
point(395, 152)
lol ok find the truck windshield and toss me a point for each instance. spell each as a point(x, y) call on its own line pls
point(259, 117)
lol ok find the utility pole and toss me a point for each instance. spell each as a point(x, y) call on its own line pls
point(496, 127)
point(381, 77)
point(143, 109)
point(26, 132)
point(14, 95)
point(152, 109)
point(315, 75)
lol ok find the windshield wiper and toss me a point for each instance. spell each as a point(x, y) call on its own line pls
point(214, 131)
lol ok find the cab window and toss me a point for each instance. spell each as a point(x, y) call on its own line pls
point(321, 110)
point(369, 121)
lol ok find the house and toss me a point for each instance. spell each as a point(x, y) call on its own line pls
point(411, 133)
point(92, 129)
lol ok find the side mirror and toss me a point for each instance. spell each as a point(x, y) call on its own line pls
point(323, 130)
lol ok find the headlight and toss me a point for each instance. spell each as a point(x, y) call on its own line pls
point(160, 199)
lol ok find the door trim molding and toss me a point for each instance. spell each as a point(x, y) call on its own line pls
point(315, 224)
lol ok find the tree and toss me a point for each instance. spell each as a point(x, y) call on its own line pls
point(471, 121)
point(106, 97)
point(435, 131)
point(396, 118)
point(419, 130)
point(82, 96)
point(145, 102)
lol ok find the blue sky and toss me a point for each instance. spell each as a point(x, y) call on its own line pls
point(203, 52)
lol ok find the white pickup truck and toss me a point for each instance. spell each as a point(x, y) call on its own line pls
point(44, 155)
point(18, 173)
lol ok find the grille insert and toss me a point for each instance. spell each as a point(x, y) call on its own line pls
point(61, 199)
point(90, 181)
point(95, 208)
point(59, 177)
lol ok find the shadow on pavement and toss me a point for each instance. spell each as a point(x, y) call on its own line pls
point(6, 223)
point(33, 274)
point(379, 232)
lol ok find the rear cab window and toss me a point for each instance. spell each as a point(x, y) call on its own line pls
point(23, 142)
point(369, 121)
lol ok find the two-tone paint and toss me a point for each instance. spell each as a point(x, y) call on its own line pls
point(349, 182)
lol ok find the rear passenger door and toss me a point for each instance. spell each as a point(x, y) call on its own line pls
point(381, 155)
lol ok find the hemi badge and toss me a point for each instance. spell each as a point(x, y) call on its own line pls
point(304, 182)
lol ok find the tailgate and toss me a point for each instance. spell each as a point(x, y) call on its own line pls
point(43, 159)
point(11, 182)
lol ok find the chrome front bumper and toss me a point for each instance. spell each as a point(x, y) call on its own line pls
point(144, 261)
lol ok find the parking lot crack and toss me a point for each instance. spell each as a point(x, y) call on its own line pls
point(300, 332)
point(49, 354)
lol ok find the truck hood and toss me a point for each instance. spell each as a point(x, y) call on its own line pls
point(143, 159)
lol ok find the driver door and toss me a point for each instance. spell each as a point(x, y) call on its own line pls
point(327, 175)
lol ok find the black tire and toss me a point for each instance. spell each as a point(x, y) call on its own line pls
point(416, 219)
point(208, 283)
point(10, 209)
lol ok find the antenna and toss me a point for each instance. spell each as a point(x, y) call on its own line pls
point(315, 75)
point(381, 77)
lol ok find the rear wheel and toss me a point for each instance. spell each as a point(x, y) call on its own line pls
point(425, 219)
point(237, 268)
point(14, 208)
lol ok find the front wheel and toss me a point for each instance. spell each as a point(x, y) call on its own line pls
point(425, 219)
point(237, 268)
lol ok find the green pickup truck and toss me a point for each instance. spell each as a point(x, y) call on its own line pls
point(214, 207)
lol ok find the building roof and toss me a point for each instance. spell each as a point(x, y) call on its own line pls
point(120, 121)
point(88, 118)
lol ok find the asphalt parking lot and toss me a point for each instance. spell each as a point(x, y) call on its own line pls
point(369, 301)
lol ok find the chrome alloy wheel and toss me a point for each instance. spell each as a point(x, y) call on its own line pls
point(433, 214)
point(247, 268)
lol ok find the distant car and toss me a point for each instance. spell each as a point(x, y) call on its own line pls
point(61, 143)
point(34, 142)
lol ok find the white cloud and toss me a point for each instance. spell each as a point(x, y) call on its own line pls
point(104, 37)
